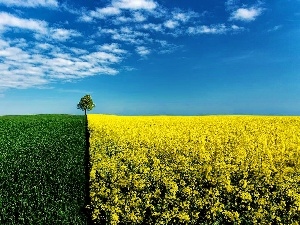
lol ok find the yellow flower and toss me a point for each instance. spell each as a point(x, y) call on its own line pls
point(178, 166)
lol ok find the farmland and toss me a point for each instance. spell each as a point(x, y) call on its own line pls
point(195, 170)
point(150, 169)
point(42, 169)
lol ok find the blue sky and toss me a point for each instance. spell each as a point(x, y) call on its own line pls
point(141, 57)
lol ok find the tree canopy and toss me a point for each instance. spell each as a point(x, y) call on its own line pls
point(86, 103)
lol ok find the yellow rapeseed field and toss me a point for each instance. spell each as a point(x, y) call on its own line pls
point(195, 169)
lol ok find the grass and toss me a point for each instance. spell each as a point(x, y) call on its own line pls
point(42, 169)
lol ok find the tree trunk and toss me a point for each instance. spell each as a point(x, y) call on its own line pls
point(85, 112)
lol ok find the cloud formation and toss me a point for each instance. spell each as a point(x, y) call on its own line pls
point(30, 64)
point(98, 40)
point(30, 3)
point(275, 28)
point(8, 20)
point(246, 14)
point(143, 51)
point(63, 34)
point(213, 29)
point(134, 5)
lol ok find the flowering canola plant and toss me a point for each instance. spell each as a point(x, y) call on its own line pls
point(195, 169)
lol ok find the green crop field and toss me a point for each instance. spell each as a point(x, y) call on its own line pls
point(42, 169)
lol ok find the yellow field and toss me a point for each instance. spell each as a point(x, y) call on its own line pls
point(195, 170)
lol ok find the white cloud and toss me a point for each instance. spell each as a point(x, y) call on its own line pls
point(101, 57)
point(85, 18)
point(113, 47)
point(128, 68)
point(213, 29)
point(171, 24)
point(246, 14)
point(20, 42)
point(138, 17)
point(65, 6)
point(3, 44)
point(134, 5)
point(275, 28)
point(166, 48)
point(152, 26)
point(30, 3)
point(116, 8)
point(126, 34)
point(108, 31)
point(109, 11)
point(118, 15)
point(231, 4)
point(9, 20)
point(63, 34)
point(60, 62)
point(122, 19)
point(13, 54)
point(135, 17)
point(40, 63)
point(143, 51)
point(79, 51)
point(177, 19)
point(89, 41)
point(44, 46)
point(126, 26)
point(104, 12)
point(182, 16)
point(237, 28)
point(8, 80)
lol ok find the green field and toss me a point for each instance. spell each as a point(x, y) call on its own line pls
point(42, 169)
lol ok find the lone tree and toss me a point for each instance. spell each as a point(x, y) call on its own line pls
point(86, 103)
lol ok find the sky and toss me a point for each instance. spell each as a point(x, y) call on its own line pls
point(150, 57)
